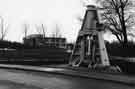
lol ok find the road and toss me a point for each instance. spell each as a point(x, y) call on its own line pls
point(19, 79)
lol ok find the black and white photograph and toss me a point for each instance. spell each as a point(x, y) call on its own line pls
point(67, 44)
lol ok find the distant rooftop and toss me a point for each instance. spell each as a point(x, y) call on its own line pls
point(41, 36)
point(34, 36)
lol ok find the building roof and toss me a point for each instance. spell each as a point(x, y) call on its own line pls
point(41, 36)
point(34, 36)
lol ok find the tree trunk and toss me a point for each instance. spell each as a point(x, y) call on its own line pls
point(124, 28)
point(125, 37)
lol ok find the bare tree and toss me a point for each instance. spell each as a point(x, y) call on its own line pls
point(118, 17)
point(25, 29)
point(3, 28)
point(41, 29)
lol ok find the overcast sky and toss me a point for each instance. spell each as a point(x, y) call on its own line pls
point(36, 12)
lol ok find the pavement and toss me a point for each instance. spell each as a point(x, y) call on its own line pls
point(20, 79)
point(83, 73)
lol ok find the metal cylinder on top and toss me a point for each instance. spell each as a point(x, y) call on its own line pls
point(91, 18)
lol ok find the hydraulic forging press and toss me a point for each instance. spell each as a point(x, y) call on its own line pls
point(89, 48)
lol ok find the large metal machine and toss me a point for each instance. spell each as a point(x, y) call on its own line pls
point(90, 48)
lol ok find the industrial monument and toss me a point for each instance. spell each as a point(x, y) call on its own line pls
point(89, 48)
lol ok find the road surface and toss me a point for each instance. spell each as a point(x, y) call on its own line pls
point(18, 79)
